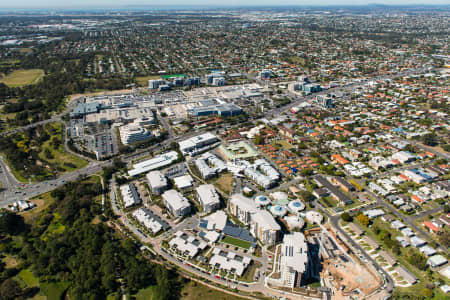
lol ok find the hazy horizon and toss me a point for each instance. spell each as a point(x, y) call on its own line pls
point(77, 4)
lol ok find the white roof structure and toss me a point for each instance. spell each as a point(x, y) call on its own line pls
point(398, 225)
point(265, 220)
point(192, 145)
point(293, 257)
point(244, 203)
point(207, 195)
point(176, 200)
point(314, 217)
point(427, 250)
point(437, 260)
point(156, 179)
point(186, 245)
point(129, 194)
point(374, 213)
point(147, 220)
point(417, 241)
point(154, 163)
point(217, 220)
point(229, 262)
point(132, 133)
point(183, 182)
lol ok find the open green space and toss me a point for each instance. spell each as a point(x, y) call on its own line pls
point(143, 80)
point(38, 154)
point(28, 278)
point(236, 242)
point(283, 144)
point(22, 77)
point(329, 201)
point(171, 76)
point(54, 290)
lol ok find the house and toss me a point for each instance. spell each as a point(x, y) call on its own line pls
point(432, 227)
point(427, 250)
point(436, 261)
point(339, 159)
point(371, 242)
point(343, 184)
point(417, 242)
point(356, 229)
point(374, 213)
point(398, 225)
point(407, 275)
point(387, 257)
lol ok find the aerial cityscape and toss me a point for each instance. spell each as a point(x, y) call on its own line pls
point(226, 153)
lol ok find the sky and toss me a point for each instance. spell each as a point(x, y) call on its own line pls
point(117, 3)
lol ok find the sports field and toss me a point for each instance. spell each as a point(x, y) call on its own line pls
point(22, 77)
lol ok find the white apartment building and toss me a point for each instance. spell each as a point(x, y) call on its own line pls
point(157, 182)
point(176, 203)
point(208, 197)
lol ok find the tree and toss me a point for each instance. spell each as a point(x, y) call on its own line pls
point(444, 238)
point(346, 217)
point(363, 219)
point(10, 289)
point(10, 222)
point(307, 196)
point(428, 293)
point(429, 139)
point(258, 140)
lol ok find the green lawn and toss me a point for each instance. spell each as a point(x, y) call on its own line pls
point(196, 291)
point(283, 143)
point(28, 278)
point(22, 77)
point(55, 228)
point(145, 294)
point(63, 159)
point(329, 201)
point(236, 242)
point(54, 290)
point(143, 80)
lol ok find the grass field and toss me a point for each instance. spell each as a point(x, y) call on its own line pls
point(28, 278)
point(225, 183)
point(143, 80)
point(62, 158)
point(54, 290)
point(236, 242)
point(283, 143)
point(42, 202)
point(190, 291)
point(22, 77)
point(55, 228)
point(195, 291)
